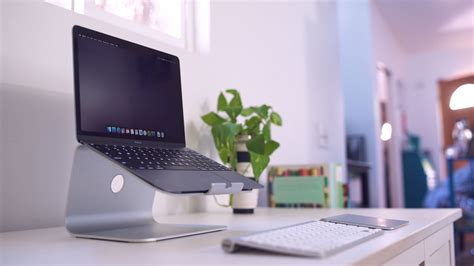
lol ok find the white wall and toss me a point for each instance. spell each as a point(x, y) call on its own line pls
point(424, 70)
point(282, 53)
point(387, 50)
point(358, 69)
point(365, 41)
point(1, 123)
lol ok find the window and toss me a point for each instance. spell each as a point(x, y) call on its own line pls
point(161, 15)
point(166, 20)
point(462, 97)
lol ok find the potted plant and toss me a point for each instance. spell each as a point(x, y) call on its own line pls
point(242, 137)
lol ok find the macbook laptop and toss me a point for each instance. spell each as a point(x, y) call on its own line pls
point(129, 109)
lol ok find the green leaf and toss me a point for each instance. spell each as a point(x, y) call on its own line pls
point(221, 102)
point(276, 118)
point(253, 123)
point(224, 139)
point(232, 130)
point(213, 119)
point(270, 147)
point(226, 132)
point(263, 111)
point(234, 108)
point(257, 144)
point(259, 163)
point(219, 141)
point(247, 111)
point(266, 132)
point(234, 92)
point(224, 154)
point(236, 101)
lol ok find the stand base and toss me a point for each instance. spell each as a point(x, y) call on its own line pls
point(100, 207)
point(150, 232)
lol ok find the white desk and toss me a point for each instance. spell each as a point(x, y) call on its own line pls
point(428, 237)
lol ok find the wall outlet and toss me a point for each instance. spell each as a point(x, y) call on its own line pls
point(323, 137)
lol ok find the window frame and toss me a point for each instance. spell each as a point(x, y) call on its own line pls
point(185, 41)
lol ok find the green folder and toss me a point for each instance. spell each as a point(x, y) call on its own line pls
point(299, 189)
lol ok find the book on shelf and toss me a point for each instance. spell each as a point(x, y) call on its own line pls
point(314, 186)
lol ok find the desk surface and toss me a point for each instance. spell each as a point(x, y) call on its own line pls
point(55, 245)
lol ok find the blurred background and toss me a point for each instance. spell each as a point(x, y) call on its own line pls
point(381, 89)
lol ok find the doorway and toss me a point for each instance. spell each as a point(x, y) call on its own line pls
point(448, 116)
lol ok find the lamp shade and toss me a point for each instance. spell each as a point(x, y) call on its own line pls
point(462, 97)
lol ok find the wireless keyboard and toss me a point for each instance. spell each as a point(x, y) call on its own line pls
point(311, 239)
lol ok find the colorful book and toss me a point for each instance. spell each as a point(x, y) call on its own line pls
point(315, 186)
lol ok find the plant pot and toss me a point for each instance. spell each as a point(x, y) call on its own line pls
point(245, 201)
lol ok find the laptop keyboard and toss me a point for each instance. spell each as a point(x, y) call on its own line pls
point(150, 158)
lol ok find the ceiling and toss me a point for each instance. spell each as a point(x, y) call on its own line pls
point(423, 25)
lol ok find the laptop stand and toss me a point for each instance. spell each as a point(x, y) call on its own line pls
point(108, 202)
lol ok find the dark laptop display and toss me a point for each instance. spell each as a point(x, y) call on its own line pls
point(129, 108)
point(127, 90)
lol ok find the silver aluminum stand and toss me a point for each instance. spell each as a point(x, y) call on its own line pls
point(108, 202)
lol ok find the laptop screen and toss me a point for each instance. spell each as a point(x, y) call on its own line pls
point(124, 90)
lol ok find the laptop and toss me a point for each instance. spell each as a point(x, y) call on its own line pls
point(128, 105)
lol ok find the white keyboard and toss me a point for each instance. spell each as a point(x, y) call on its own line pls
point(312, 239)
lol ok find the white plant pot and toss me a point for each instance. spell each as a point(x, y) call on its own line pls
point(245, 201)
